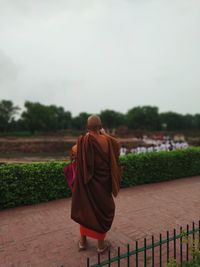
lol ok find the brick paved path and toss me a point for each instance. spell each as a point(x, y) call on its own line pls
point(44, 236)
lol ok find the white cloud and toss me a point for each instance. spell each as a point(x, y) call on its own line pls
point(91, 55)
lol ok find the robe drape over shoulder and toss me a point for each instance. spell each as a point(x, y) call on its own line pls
point(97, 178)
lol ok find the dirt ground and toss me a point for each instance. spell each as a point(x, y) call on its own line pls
point(52, 139)
point(40, 148)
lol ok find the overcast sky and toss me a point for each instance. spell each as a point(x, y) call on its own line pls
point(89, 55)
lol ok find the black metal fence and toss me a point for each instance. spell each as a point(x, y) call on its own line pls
point(172, 248)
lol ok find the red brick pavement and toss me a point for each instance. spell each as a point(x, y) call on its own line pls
point(44, 235)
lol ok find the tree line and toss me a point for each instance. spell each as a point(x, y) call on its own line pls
point(38, 117)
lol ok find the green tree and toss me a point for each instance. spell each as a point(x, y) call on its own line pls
point(79, 122)
point(60, 119)
point(38, 117)
point(7, 114)
point(173, 121)
point(197, 121)
point(143, 118)
point(112, 119)
point(189, 122)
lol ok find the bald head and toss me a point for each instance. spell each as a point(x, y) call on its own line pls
point(94, 123)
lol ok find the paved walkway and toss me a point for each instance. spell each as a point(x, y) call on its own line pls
point(44, 236)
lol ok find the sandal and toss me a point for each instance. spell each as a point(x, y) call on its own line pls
point(81, 247)
point(107, 245)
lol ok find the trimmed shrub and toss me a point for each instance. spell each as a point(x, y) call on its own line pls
point(23, 184)
point(160, 166)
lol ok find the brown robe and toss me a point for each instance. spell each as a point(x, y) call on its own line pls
point(98, 177)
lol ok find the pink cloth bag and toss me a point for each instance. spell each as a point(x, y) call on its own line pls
point(70, 174)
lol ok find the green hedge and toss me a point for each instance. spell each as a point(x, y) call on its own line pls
point(22, 184)
point(160, 166)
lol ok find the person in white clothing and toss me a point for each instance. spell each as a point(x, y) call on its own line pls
point(123, 150)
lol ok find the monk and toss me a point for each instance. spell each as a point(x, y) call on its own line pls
point(97, 181)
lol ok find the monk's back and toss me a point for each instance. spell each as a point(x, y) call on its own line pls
point(103, 142)
point(93, 206)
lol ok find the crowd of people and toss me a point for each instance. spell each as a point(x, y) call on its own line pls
point(156, 147)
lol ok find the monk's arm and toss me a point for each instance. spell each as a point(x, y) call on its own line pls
point(73, 153)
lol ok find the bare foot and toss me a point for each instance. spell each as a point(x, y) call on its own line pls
point(105, 247)
point(82, 246)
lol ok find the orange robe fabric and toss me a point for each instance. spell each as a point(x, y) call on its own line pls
point(90, 233)
point(97, 178)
